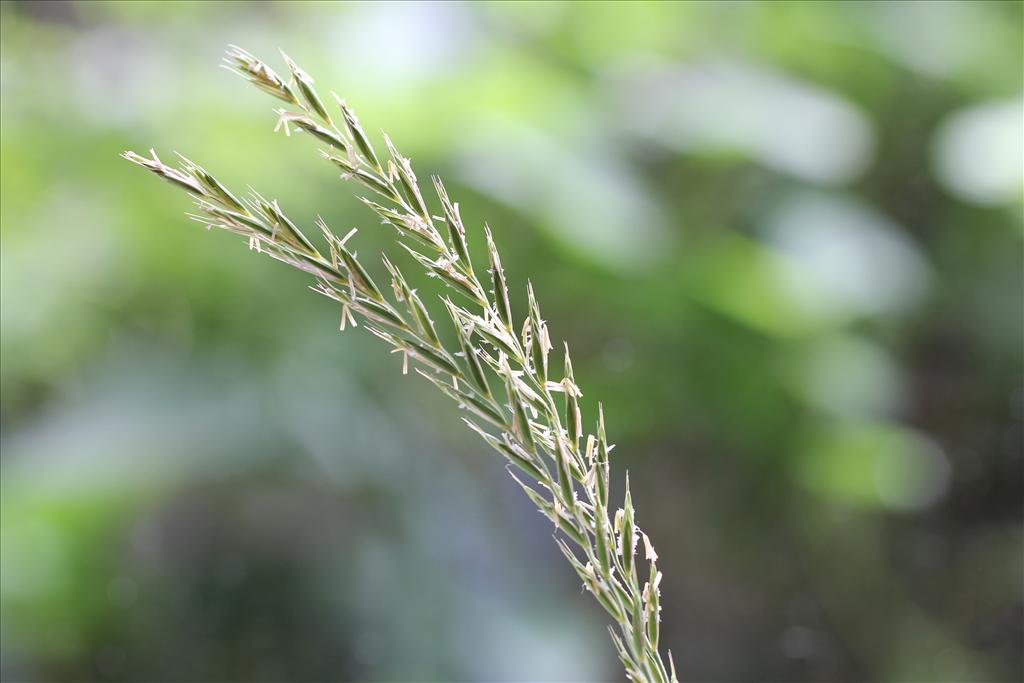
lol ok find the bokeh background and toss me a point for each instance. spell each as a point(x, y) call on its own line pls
point(783, 239)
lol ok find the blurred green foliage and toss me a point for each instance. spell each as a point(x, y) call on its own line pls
point(784, 241)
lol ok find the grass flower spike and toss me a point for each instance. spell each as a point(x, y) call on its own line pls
point(499, 372)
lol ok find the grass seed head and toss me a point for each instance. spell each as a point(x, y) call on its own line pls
point(528, 432)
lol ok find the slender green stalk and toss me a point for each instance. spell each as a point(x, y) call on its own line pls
point(522, 417)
